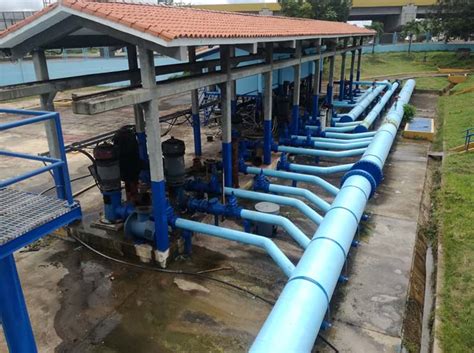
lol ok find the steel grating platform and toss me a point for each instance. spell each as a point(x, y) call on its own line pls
point(22, 212)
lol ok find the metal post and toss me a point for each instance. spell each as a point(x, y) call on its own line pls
point(153, 132)
point(295, 113)
point(226, 116)
point(195, 109)
point(137, 109)
point(13, 312)
point(267, 107)
point(316, 85)
point(351, 75)
point(342, 87)
point(233, 90)
point(321, 71)
point(330, 90)
point(359, 61)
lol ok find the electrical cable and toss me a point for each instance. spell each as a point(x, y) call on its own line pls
point(174, 272)
point(72, 180)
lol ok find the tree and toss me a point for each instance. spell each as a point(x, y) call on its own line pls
point(379, 28)
point(330, 10)
point(455, 18)
point(410, 29)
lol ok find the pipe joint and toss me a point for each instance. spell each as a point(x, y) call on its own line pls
point(283, 163)
point(370, 167)
point(261, 183)
point(366, 174)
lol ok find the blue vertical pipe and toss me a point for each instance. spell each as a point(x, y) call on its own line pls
point(158, 196)
point(295, 117)
point(197, 134)
point(267, 142)
point(227, 162)
point(13, 312)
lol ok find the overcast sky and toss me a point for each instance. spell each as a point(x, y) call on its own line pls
point(20, 5)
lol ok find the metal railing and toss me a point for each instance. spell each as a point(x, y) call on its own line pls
point(468, 136)
point(58, 166)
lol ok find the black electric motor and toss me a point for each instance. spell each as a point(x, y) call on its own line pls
point(173, 152)
point(107, 168)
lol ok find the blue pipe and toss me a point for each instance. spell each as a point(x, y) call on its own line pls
point(361, 105)
point(267, 142)
point(227, 162)
point(321, 153)
point(295, 117)
point(332, 140)
point(246, 238)
point(13, 313)
point(310, 179)
point(281, 200)
point(298, 314)
point(196, 121)
point(337, 135)
point(114, 210)
point(314, 170)
point(376, 111)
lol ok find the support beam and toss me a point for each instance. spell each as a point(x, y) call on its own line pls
point(295, 112)
point(153, 132)
point(343, 73)
point(195, 108)
point(233, 88)
point(267, 106)
point(351, 74)
point(359, 61)
point(316, 84)
point(330, 89)
point(226, 88)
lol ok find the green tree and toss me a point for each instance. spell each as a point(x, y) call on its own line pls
point(411, 29)
point(330, 10)
point(455, 18)
point(379, 28)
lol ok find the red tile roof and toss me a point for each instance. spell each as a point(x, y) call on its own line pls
point(170, 22)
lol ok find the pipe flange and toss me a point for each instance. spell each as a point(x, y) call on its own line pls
point(371, 168)
point(363, 173)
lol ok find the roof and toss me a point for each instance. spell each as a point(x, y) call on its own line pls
point(171, 24)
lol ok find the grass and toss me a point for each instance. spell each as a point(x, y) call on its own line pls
point(431, 83)
point(455, 211)
point(469, 83)
point(382, 64)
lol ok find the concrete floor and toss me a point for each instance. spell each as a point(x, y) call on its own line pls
point(81, 302)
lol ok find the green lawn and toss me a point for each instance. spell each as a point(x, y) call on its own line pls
point(456, 214)
point(382, 64)
point(464, 85)
point(431, 83)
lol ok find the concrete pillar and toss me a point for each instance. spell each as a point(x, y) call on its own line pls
point(137, 110)
point(316, 85)
point(295, 112)
point(267, 107)
point(342, 87)
point(321, 71)
point(226, 88)
point(351, 74)
point(153, 132)
point(359, 62)
point(233, 90)
point(330, 90)
point(195, 109)
point(46, 100)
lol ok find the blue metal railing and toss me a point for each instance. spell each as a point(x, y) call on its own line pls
point(468, 136)
point(58, 166)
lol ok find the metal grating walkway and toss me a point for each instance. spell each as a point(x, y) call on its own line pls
point(21, 212)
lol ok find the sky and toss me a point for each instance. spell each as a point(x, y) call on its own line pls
point(20, 5)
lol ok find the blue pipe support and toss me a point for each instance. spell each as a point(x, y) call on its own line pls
point(377, 110)
point(281, 200)
point(159, 201)
point(315, 107)
point(246, 238)
point(295, 117)
point(321, 153)
point(13, 313)
point(361, 105)
point(310, 179)
point(373, 159)
point(337, 135)
point(196, 121)
point(298, 314)
point(114, 210)
point(227, 162)
point(267, 142)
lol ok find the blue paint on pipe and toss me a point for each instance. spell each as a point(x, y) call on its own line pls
point(13, 313)
point(267, 142)
point(246, 238)
point(158, 197)
point(295, 117)
point(227, 162)
point(197, 134)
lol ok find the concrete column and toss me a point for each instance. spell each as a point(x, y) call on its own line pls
point(195, 109)
point(330, 90)
point(316, 85)
point(351, 75)
point(226, 88)
point(295, 112)
point(233, 90)
point(321, 71)
point(138, 111)
point(267, 107)
point(153, 132)
point(46, 100)
point(342, 87)
point(359, 62)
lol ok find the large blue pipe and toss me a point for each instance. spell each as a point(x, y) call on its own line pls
point(310, 179)
point(246, 238)
point(296, 318)
point(361, 106)
point(281, 200)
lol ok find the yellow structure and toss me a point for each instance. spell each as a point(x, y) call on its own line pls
point(389, 3)
point(420, 129)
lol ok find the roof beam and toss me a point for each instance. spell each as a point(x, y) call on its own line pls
point(100, 103)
